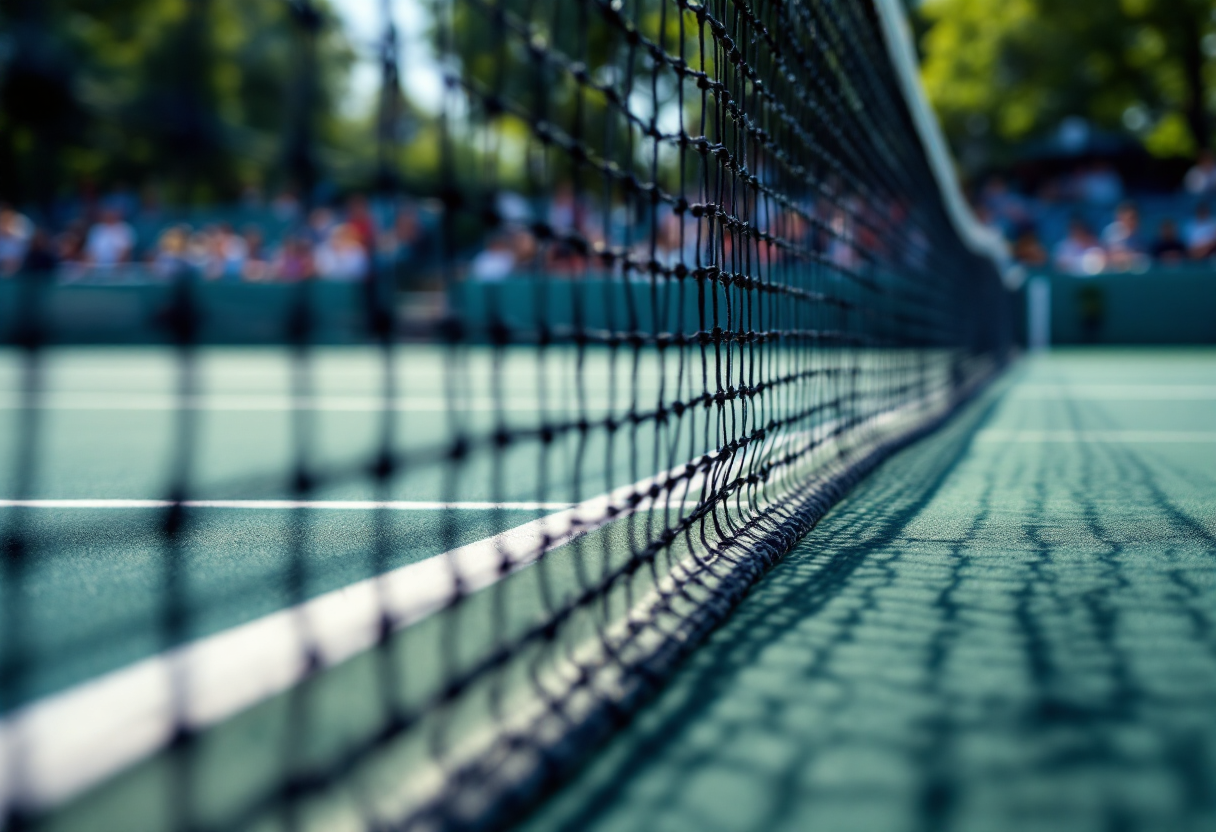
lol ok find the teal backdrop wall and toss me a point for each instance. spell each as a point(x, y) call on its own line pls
point(1176, 306)
point(229, 313)
point(1161, 306)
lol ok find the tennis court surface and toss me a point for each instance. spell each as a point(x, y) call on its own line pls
point(1008, 626)
point(1009, 623)
point(403, 527)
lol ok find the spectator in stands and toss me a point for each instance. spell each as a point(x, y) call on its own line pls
point(16, 232)
point(569, 216)
point(110, 241)
point(342, 256)
point(256, 268)
point(842, 251)
point(1079, 253)
point(294, 261)
point(495, 262)
point(321, 222)
point(1168, 248)
point(359, 218)
point(675, 241)
point(502, 255)
point(1027, 249)
point(1125, 249)
point(70, 243)
point(232, 251)
point(1200, 235)
point(170, 257)
point(1201, 179)
point(200, 253)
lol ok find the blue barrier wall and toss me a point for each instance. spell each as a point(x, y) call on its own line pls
point(1165, 306)
point(527, 305)
point(227, 313)
point(1159, 307)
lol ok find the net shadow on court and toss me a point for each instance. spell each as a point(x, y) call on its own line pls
point(980, 635)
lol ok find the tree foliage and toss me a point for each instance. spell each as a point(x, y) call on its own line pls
point(194, 95)
point(1002, 71)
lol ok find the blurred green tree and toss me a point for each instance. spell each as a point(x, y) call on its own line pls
point(194, 96)
point(1002, 71)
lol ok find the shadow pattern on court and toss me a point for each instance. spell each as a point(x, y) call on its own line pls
point(983, 637)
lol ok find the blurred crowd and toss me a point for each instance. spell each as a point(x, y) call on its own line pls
point(120, 238)
point(1085, 223)
point(843, 230)
point(117, 238)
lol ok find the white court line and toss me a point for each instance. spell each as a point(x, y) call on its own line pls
point(74, 739)
point(1109, 436)
point(288, 505)
point(77, 738)
point(156, 402)
point(1117, 392)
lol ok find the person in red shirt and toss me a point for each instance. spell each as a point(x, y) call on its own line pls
point(360, 219)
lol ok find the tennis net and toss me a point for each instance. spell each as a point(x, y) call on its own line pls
point(670, 277)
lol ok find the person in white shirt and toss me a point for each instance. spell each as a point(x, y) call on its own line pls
point(1201, 179)
point(170, 259)
point(505, 253)
point(1079, 253)
point(1200, 236)
point(342, 257)
point(1125, 249)
point(234, 251)
point(109, 241)
point(495, 262)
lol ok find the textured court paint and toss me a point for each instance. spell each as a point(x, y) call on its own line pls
point(98, 569)
point(984, 637)
point(99, 613)
point(98, 574)
point(242, 667)
point(109, 424)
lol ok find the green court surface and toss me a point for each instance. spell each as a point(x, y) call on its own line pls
point(216, 627)
point(110, 432)
point(1011, 625)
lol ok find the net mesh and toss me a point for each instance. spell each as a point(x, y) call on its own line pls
point(684, 275)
